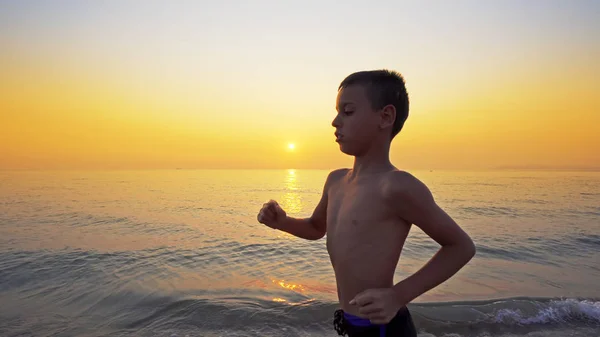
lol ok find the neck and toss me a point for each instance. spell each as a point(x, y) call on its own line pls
point(375, 160)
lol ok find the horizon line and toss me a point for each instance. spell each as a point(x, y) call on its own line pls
point(497, 168)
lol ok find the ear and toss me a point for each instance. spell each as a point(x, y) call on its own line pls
point(388, 116)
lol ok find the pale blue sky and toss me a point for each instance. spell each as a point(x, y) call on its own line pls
point(349, 34)
point(434, 43)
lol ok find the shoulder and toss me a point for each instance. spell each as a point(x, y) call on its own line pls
point(336, 175)
point(403, 188)
point(410, 199)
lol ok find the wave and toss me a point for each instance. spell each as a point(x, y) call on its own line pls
point(231, 315)
point(508, 316)
point(133, 293)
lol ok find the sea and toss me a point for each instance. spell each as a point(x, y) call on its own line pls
point(180, 253)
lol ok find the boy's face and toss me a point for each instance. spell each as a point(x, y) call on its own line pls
point(356, 124)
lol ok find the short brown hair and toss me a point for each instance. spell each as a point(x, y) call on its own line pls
point(383, 87)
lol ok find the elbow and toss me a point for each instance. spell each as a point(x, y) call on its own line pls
point(473, 250)
point(317, 230)
point(467, 247)
point(464, 249)
point(317, 235)
point(470, 249)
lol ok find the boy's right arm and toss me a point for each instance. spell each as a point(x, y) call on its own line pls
point(312, 228)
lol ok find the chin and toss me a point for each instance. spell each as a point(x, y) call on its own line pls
point(347, 150)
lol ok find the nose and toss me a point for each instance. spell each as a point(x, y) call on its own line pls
point(336, 123)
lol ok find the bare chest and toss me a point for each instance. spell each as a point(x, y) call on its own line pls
point(353, 211)
point(362, 228)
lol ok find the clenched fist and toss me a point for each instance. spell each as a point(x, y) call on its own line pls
point(271, 214)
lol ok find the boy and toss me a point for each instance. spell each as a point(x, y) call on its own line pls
point(367, 212)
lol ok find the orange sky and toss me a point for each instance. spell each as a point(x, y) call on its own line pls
point(117, 86)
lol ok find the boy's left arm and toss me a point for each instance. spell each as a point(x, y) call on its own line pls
point(414, 203)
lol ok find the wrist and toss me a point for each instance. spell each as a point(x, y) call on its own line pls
point(403, 292)
point(279, 225)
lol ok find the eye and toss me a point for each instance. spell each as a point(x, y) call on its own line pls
point(348, 112)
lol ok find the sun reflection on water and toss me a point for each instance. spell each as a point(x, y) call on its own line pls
point(292, 201)
point(290, 286)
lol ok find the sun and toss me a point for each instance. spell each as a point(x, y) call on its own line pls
point(291, 146)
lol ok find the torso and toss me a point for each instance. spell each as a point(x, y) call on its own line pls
point(364, 236)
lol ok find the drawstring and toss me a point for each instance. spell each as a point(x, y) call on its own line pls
point(339, 323)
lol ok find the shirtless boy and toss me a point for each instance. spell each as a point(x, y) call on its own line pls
point(367, 212)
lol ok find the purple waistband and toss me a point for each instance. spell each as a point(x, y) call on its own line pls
point(358, 321)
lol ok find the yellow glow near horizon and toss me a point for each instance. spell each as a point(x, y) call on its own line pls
point(134, 87)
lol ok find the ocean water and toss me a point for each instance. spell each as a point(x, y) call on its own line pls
point(180, 253)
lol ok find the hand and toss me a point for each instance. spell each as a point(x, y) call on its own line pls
point(271, 214)
point(380, 306)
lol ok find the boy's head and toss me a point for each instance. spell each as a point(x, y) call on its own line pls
point(372, 105)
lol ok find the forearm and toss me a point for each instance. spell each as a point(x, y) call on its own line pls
point(442, 266)
point(304, 228)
